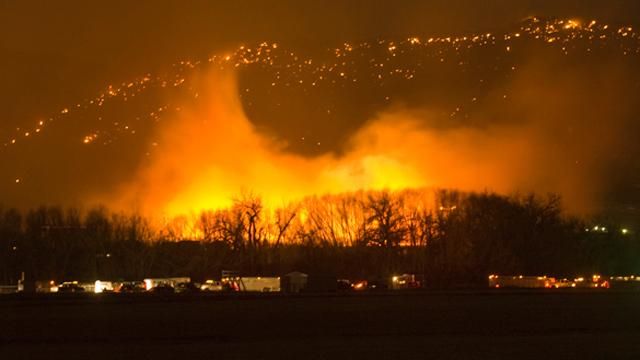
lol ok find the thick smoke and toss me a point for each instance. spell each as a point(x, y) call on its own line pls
point(552, 135)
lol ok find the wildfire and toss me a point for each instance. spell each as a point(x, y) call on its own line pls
point(207, 152)
point(211, 154)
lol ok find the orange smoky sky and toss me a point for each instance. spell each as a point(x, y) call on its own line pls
point(512, 97)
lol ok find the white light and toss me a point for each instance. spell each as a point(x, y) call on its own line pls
point(98, 288)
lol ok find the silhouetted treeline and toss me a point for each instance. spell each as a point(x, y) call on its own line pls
point(451, 238)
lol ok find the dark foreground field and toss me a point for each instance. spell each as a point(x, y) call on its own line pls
point(459, 325)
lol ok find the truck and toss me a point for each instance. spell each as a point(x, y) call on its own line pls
point(211, 285)
point(172, 282)
point(232, 281)
point(520, 281)
point(405, 281)
point(260, 284)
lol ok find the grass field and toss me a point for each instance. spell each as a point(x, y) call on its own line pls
point(423, 325)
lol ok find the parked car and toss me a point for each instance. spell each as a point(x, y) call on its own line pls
point(187, 287)
point(131, 287)
point(211, 285)
point(377, 285)
point(343, 285)
point(162, 289)
point(360, 285)
point(69, 287)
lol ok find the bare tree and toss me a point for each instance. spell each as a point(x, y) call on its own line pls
point(385, 226)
